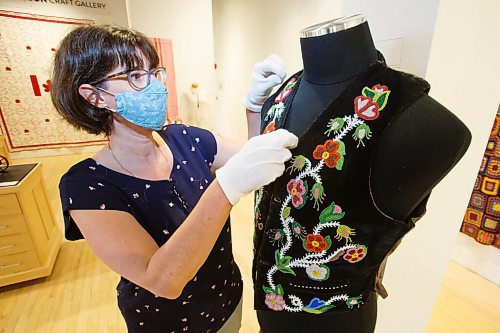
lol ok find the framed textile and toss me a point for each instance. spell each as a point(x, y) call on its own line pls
point(28, 119)
point(482, 217)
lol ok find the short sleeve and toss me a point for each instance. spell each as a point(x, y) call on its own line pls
point(82, 192)
point(205, 141)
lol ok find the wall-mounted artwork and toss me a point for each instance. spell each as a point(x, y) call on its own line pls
point(28, 119)
point(482, 217)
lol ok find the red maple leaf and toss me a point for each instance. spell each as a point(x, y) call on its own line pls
point(46, 86)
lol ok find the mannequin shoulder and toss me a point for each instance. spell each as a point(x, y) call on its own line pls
point(428, 123)
point(415, 152)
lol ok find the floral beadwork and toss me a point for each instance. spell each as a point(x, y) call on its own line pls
point(286, 91)
point(332, 153)
point(320, 248)
point(331, 213)
point(346, 232)
point(275, 302)
point(257, 214)
point(317, 194)
point(367, 107)
point(355, 255)
point(276, 110)
point(361, 133)
point(276, 236)
point(271, 127)
point(298, 191)
point(318, 272)
point(316, 243)
point(298, 230)
point(298, 163)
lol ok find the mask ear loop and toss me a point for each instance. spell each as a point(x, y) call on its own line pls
point(106, 91)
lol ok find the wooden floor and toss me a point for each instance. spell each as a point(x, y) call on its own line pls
point(80, 294)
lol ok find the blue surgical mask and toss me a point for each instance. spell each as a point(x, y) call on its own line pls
point(146, 108)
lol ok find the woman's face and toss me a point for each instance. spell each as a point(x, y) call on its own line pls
point(119, 84)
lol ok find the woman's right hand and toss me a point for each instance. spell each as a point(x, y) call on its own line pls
point(259, 162)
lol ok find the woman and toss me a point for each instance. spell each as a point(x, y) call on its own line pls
point(147, 203)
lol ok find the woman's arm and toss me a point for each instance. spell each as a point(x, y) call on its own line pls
point(120, 241)
point(225, 150)
point(253, 122)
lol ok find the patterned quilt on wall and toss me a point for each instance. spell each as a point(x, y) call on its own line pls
point(482, 217)
point(27, 118)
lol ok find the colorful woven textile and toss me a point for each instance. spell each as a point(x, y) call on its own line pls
point(482, 217)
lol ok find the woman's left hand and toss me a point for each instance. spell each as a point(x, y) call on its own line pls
point(265, 76)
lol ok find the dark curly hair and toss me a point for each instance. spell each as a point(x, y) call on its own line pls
point(87, 54)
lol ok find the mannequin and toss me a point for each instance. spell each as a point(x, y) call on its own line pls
point(194, 106)
point(323, 79)
point(414, 153)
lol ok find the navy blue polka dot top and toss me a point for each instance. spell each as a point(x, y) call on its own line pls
point(160, 207)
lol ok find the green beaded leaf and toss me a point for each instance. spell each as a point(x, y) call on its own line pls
point(367, 92)
point(328, 241)
point(286, 212)
point(341, 149)
point(382, 99)
point(277, 257)
point(328, 214)
point(340, 163)
point(287, 270)
point(361, 133)
point(279, 290)
point(321, 310)
point(268, 290)
point(286, 261)
point(270, 113)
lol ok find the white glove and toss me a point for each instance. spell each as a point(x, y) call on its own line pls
point(259, 162)
point(265, 76)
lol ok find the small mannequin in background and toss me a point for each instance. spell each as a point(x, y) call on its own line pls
point(193, 106)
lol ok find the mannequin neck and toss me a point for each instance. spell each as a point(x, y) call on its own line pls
point(338, 56)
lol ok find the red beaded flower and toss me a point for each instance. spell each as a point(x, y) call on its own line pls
point(271, 127)
point(328, 152)
point(356, 254)
point(315, 243)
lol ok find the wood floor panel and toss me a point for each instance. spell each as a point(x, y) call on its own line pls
point(80, 296)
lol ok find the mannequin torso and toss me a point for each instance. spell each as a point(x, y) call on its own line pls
point(415, 152)
point(404, 169)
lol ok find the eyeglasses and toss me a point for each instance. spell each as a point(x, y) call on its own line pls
point(138, 78)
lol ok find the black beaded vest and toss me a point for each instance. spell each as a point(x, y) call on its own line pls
point(320, 238)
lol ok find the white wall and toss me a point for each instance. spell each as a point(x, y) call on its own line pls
point(402, 30)
point(463, 71)
point(246, 32)
point(188, 24)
